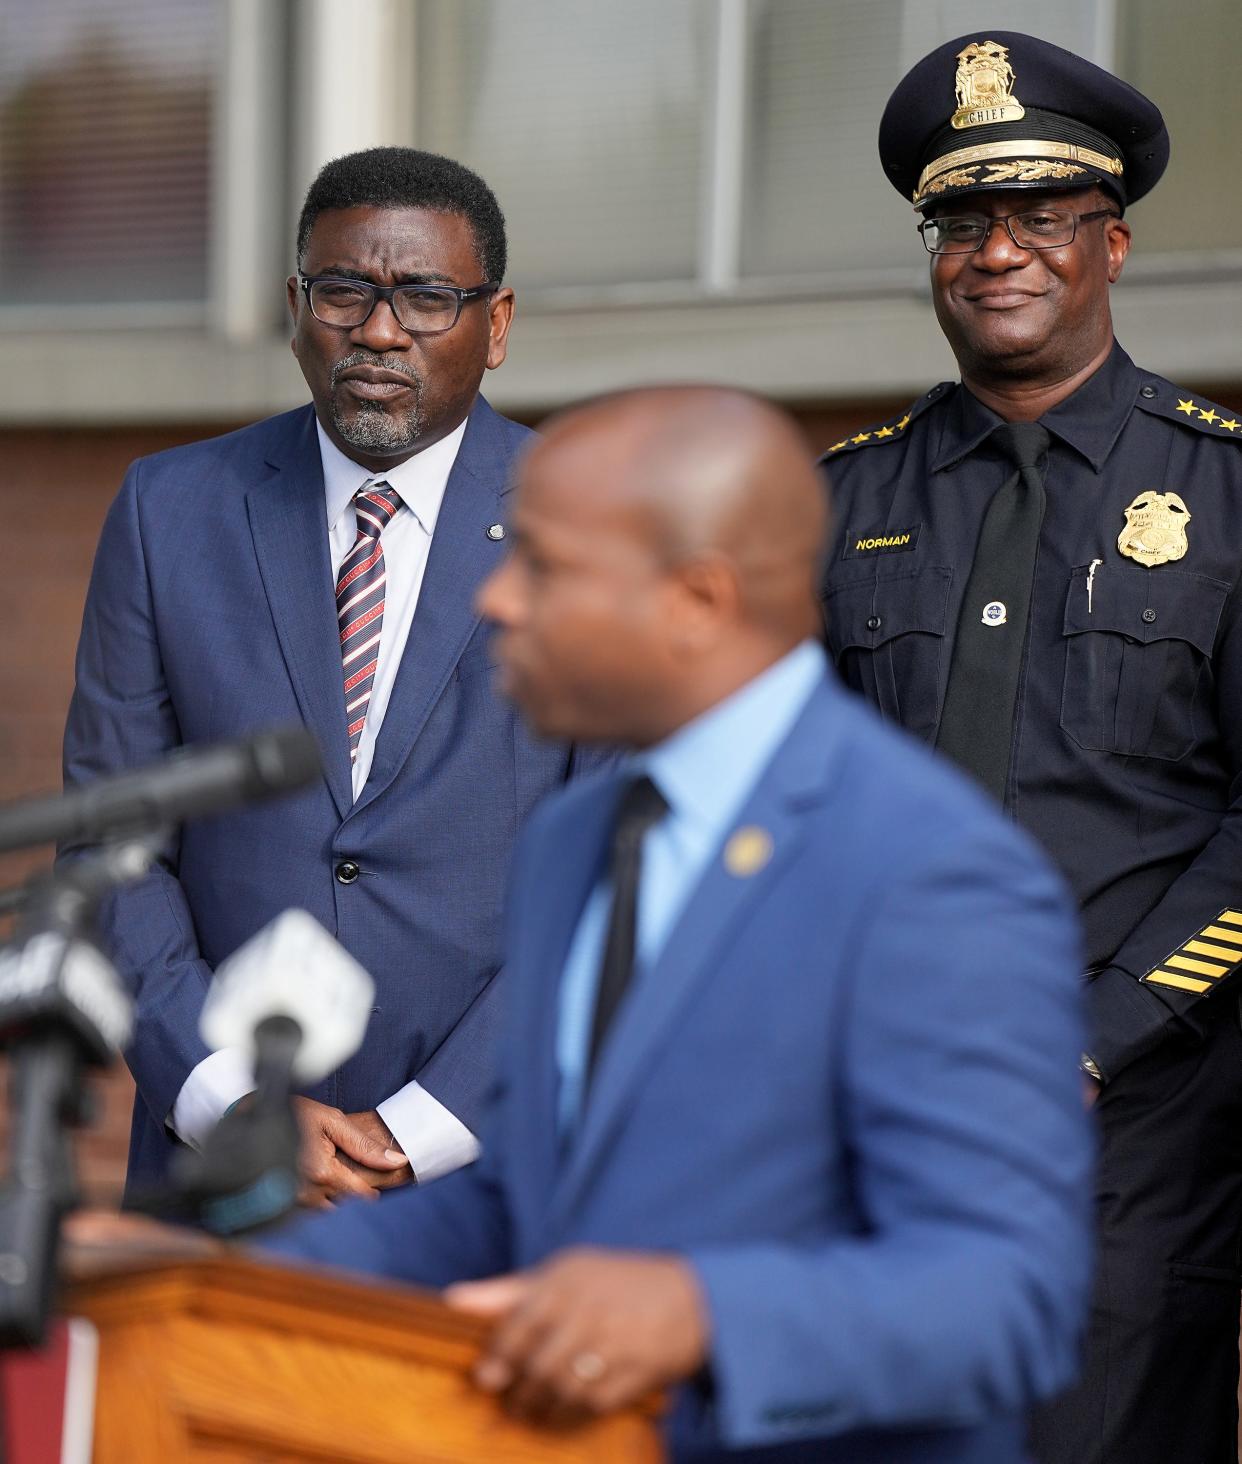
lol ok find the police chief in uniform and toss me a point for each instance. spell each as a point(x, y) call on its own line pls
point(1037, 570)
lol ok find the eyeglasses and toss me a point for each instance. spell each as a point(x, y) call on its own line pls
point(1041, 228)
point(420, 309)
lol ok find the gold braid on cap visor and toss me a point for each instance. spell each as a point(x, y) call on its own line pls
point(1056, 160)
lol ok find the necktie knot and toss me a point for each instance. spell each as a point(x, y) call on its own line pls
point(1023, 443)
point(375, 505)
point(642, 806)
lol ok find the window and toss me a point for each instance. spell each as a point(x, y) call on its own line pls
point(105, 150)
point(727, 145)
point(1188, 63)
point(588, 121)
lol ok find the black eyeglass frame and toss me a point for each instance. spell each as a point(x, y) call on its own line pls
point(389, 293)
point(1007, 220)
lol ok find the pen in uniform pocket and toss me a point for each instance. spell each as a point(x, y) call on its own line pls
point(1095, 563)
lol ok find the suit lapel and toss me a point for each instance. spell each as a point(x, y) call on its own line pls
point(288, 523)
point(790, 790)
point(461, 557)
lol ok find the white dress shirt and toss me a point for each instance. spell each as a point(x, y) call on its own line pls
point(434, 1140)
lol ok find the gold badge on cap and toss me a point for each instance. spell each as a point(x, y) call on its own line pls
point(1155, 530)
point(984, 82)
point(748, 851)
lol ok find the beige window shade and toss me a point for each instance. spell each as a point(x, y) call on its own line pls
point(1188, 60)
point(587, 120)
point(105, 149)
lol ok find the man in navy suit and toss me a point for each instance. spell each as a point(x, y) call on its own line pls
point(789, 1111)
point(240, 584)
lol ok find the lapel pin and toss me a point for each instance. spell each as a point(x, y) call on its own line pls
point(748, 851)
point(496, 532)
point(994, 613)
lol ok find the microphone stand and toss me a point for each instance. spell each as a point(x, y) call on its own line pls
point(246, 1175)
point(62, 1009)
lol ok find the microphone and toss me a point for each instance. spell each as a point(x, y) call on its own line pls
point(62, 1007)
point(51, 983)
point(292, 968)
point(186, 784)
point(297, 1004)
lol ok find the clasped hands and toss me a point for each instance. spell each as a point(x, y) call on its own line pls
point(346, 1154)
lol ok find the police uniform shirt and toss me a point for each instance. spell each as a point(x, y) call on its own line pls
point(1128, 727)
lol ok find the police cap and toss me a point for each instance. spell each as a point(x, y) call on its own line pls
point(1002, 110)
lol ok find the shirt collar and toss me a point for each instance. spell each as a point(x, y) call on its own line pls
point(707, 769)
point(1089, 420)
point(419, 480)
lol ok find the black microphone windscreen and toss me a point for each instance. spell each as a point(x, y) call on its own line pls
point(188, 783)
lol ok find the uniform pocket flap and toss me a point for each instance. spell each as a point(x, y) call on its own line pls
point(878, 609)
point(1146, 605)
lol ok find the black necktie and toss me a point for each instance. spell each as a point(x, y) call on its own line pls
point(640, 808)
point(976, 727)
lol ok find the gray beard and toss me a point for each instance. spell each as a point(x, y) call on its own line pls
point(372, 427)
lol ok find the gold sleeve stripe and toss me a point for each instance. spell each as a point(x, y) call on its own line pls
point(1201, 968)
point(1200, 963)
point(1201, 948)
point(1217, 932)
point(1171, 978)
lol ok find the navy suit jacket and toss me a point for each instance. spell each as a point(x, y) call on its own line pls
point(210, 615)
point(847, 1091)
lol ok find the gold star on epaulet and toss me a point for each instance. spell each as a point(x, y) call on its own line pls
point(1166, 400)
point(886, 431)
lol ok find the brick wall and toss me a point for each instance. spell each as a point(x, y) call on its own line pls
point(54, 490)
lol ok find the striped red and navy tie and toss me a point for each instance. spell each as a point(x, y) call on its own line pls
point(360, 602)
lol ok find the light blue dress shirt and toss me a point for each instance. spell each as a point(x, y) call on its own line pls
point(706, 771)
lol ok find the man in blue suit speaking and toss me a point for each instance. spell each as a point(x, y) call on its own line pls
point(789, 1111)
point(321, 567)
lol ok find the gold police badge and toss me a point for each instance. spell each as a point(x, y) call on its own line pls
point(984, 81)
point(1155, 530)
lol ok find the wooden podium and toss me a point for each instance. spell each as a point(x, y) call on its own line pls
point(220, 1360)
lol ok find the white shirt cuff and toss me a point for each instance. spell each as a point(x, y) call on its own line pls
point(214, 1085)
point(435, 1140)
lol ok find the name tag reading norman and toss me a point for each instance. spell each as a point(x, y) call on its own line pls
point(880, 541)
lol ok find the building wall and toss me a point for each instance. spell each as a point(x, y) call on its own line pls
point(55, 488)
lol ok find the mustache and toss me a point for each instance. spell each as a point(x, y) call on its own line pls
point(369, 358)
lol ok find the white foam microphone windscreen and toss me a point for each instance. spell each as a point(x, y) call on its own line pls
point(291, 968)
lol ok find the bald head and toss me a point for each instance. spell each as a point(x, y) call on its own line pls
point(710, 471)
point(665, 543)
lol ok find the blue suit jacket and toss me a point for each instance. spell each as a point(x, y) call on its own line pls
point(210, 615)
point(848, 1093)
